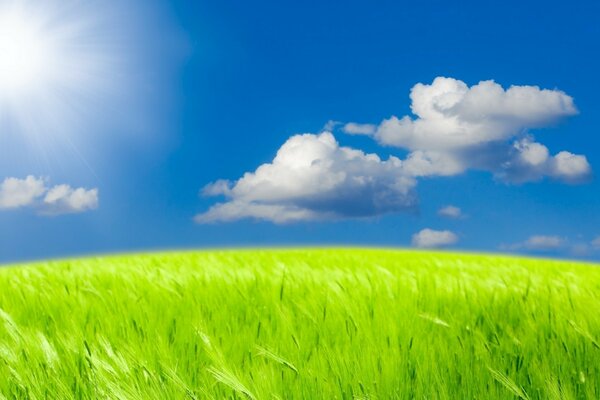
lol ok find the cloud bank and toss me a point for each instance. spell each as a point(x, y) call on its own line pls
point(32, 192)
point(455, 128)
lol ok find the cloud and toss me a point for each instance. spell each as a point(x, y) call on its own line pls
point(450, 115)
point(571, 167)
point(550, 243)
point(538, 243)
point(330, 125)
point(313, 178)
point(32, 192)
point(529, 161)
point(63, 199)
point(16, 193)
point(450, 211)
point(483, 127)
point(542, 242)
point(424, 163)
point(352, 128)
point(432, 238)
point(455, 128)
point(580, 250)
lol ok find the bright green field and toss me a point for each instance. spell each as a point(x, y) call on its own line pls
point(315, 324)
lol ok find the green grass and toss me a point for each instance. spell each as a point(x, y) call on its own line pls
point(284, 324)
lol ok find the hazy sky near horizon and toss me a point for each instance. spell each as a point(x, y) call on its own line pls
point(142, 125)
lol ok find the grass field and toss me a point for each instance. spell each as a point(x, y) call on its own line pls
point(315, 324)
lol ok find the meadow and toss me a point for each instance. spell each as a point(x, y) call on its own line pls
point(300, 324)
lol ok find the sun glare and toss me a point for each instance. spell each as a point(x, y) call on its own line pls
point(71, 72)
point(53, 69)
point(24, 53)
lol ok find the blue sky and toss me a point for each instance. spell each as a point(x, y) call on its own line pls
point(160, 99)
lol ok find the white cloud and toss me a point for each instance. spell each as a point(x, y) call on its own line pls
point(539, 243)
point(482, 127)
point(430, 163)
point(570, 167)
point(219, 187)
point(580, 250)
point(33, 192)
point(450, 115)
point(529, 161)
point(551, 243)
point(236, 210)
point(450, 212)
point(16, 193)
point(353, 128)
point(313, 178)
point(63, 199)
point(432, 238)
point(456, 128)
point(330, 125)
point(542, 242)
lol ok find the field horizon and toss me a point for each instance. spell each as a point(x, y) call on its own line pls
point(318, 322)
point(24, 263)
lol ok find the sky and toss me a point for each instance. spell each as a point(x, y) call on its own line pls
point(129, 126)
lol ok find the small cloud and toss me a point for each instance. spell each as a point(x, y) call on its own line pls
point(529, 161)
point(63, 199)
point(450, 211)
point(543, 242)
point(580, 249)
point(596, 243)
point(353, 128)
point(538, 243)
point(330, 125)
point(570, 167)
point(217, 188)
point(32, 192)
point(17, 193)
point(432, 238)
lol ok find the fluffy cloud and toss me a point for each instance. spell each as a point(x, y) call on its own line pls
point(16, 193)
point(450, 115)
point(33, 192)
point(455, 128)
point(482, 127)
point(63, 199)
point(450, 212)
point(313, 178)
point(529, 161)
point(432, 238)
point(596, 242)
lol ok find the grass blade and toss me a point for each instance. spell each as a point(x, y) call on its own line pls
point(509, 384)
point(229, 379)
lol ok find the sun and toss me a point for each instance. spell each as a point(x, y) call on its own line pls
point(53, 69)
point(71, 73)
point(25, 54)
